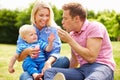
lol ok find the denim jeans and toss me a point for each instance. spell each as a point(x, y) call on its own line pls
point(62, 62)
point(88, 71)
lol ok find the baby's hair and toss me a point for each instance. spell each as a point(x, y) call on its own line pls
point(24, 29)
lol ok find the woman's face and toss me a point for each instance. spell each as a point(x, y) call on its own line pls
point(42, 17)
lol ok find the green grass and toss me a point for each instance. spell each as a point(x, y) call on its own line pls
point(6, 51)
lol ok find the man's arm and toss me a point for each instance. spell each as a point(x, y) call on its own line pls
point(89, 53)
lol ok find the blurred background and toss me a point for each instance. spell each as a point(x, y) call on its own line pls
point(14, 13)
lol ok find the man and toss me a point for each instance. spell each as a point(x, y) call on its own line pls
point(90, 48)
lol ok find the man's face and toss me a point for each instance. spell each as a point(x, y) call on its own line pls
point(42, 17)
point(68, 21)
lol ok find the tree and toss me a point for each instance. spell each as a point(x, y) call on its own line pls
point(7, 26)
point(117, 28)
point(24, 17)
point(91, 15)
point(57, 15)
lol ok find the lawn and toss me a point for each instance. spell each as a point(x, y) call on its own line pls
point(6, 51)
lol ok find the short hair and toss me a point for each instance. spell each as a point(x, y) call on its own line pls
point(24, 29)
point(75, 9)
point(40, 4)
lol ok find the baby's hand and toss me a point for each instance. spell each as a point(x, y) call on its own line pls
point(11, 70)
point(51, 38)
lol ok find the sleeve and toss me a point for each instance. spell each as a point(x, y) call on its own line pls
point(95, 30)
point(44, 33)
point(56, 45)
point(21, 45)
point(42, 44)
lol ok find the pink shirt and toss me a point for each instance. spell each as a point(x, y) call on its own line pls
point(91, 30)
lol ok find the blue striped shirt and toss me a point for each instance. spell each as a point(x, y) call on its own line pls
point(43, 35)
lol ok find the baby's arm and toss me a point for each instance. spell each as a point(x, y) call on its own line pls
point(51, 38)
point(12, 62)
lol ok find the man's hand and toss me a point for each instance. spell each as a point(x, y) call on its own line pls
point(64, 36)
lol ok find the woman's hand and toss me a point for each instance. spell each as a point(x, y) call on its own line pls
point(46, 66)
point(34, 53)
point(28, 51)
point(48, 63)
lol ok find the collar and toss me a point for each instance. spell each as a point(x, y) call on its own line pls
point(83, 28)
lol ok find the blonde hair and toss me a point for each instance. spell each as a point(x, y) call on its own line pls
point(40, 4)
point(24, 29)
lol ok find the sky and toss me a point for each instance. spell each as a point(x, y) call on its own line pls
point(96, 5)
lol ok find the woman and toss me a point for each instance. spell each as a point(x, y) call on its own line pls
point(43, 20)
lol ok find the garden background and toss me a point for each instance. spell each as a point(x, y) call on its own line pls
point(11, 20)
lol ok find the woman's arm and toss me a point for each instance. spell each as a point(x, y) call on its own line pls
point(28, 51)
point(50, 60)
point(49, 63)
point(24, 50)
point(21, 49)
point(23, 54)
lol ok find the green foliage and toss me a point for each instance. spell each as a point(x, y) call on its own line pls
point(91, 14)
point(7, 18)
point(57, 15)
point(10, 21)
point(8, 31)
point(24, 17)
point(117, 27)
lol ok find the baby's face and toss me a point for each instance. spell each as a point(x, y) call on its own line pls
point(31, 36)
